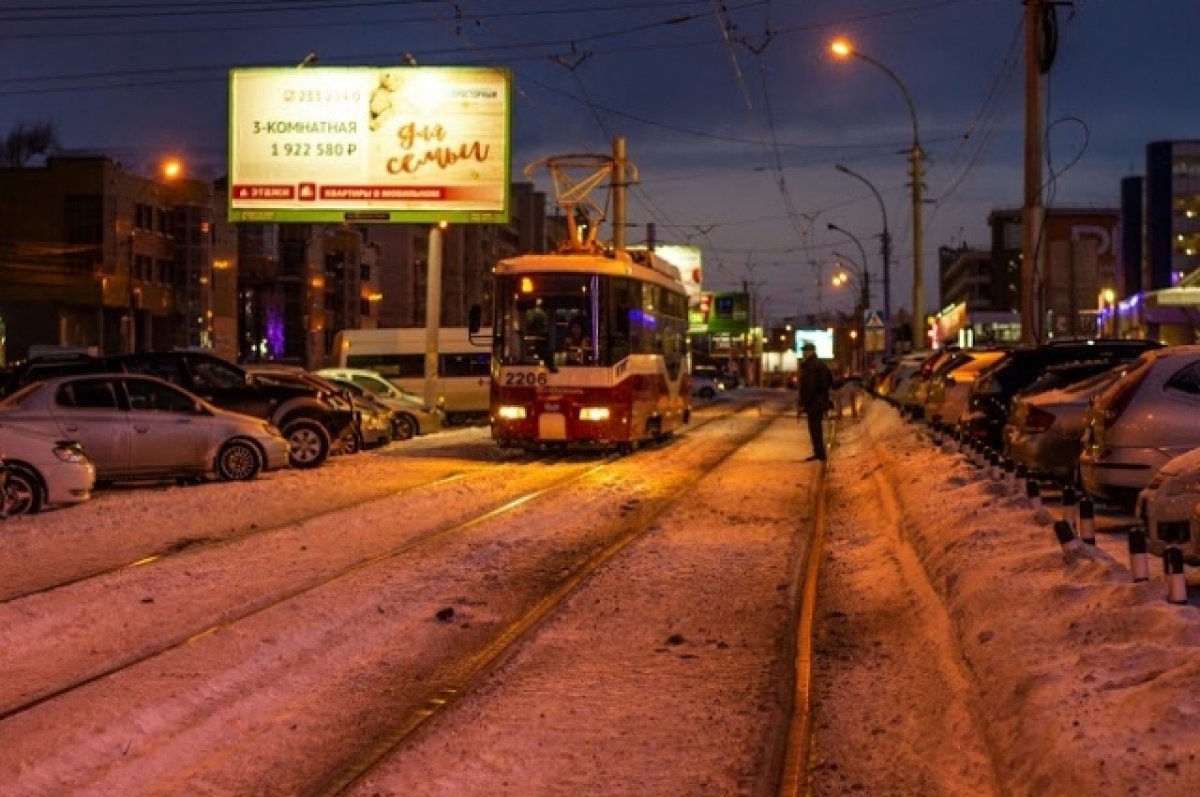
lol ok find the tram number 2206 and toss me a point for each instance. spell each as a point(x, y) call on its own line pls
point(525, 379)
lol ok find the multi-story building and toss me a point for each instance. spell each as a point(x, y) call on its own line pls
point(1160, 214)
point(96, 257)
point(969, 277)
point(1080, 256)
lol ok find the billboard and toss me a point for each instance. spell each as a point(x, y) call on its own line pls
point(821, 338)
point(685, 258)
point(369, 144)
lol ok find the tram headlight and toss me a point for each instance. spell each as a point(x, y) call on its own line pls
point(511, 412)
point(593, 414)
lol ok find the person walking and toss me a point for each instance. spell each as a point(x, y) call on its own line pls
point(816, 380)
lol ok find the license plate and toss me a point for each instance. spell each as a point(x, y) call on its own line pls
point(552, 406)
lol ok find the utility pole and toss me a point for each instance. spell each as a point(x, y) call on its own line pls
point(619, 177)
point(919, 340)
point(1033, 213)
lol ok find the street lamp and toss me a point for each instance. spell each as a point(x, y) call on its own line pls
point(866, 290)
point(859, 276)
point(886, 251)
point(842, 48)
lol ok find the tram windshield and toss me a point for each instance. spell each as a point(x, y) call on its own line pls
point(586, 320)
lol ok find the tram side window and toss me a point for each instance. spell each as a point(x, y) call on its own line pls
point(461, 365)
point(618, 326)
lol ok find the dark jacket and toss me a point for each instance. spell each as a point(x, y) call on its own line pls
point(816, 380)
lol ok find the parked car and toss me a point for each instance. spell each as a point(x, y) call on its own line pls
point(375, 419)
point(950, 386)
point(310, 418)
point(1168, 504)
point(992, 394)
point(366, 428)
point(1139, 422)
point(1044, 432)
point(898, 381)
point(39, 470)
point(409, 414)
point(726, 380)
point(135, 427)
point(916, 390)
point(706, 387)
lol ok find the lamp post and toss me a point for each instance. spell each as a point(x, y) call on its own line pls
point(866, 290)
point(843, 49)
point(886, 252)
point(858, 276)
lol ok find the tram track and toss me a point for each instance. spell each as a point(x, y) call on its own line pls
point(187, 546)
point(464, 675)
point(145, 643)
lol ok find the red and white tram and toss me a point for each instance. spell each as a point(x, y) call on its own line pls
point(590, 349)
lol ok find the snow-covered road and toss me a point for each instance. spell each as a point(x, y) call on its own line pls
point(956, 653)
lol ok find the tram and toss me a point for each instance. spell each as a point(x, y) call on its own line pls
point(589, 350)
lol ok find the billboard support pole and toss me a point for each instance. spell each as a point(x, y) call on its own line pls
point(433, 314)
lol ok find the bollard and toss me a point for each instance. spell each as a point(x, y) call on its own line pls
point(997, 470)
point(1021, 477)
point(1173, 571)
point(1086, 512)
point(1034, 493)
point(1010, 478)
point(1139, 563)
point(937, 430)
point(1067, 539)
point(1070, 513)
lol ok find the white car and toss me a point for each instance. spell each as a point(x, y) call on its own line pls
point(409, 416)
point(1140, 422)
point(41, 470)
point(1167, 504)
point(706, 387)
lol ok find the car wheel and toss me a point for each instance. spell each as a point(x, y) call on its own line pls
point(352, 444)
point(404, 427)
point(308, 441)
point(707, 393)
point(22, 492)
point(238, 461)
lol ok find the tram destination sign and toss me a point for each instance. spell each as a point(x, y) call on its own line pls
point(369, 144)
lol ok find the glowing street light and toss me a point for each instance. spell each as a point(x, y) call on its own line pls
point(172, 169)
point(842, 49)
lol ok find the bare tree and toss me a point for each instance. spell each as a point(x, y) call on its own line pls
point(24, 143)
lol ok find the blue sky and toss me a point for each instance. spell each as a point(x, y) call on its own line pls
point(733, 111)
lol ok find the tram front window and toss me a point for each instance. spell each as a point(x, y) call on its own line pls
point(548, 320)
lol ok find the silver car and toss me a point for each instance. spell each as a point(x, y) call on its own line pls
point(409, 416)
point(1147, 417)
point(141, 427)
point(1045, 430)
point(38, 470)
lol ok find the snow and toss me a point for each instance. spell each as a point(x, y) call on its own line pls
point(956, 652)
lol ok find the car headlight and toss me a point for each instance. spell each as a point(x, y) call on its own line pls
point(511, 412)
point(70, 451)
point(593, 414)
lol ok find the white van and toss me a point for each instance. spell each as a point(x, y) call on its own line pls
point(464, 366)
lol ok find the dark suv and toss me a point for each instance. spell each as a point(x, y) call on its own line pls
point(310, 418)
point(994, 388)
